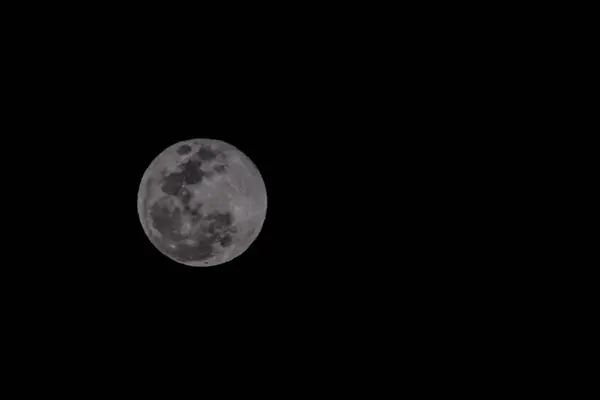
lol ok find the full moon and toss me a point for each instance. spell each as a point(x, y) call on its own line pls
point(202, 202)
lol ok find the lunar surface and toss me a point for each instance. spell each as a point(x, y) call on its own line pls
point(202, 202)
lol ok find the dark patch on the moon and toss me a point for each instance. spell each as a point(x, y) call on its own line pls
point(171, 184)
point(192, 172)
point(220, 168)
point(220, 220)
point(226, 241)
point(166, 221)
point(218, 229)
point(183, 150)
point(194, 212)
point(166, 216)
point(207, 153)
point(188, 173)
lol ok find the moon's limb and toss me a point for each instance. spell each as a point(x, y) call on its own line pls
point(231, 183)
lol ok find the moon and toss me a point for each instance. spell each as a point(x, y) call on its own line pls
point(202, 202)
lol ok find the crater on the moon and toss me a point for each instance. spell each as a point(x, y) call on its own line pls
point(202, 202)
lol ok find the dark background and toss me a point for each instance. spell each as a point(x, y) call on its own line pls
point(362, 129)
point(340, 131)
point(279, 119)
point(369, 131)
point(357, 126)
point(296, 103)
